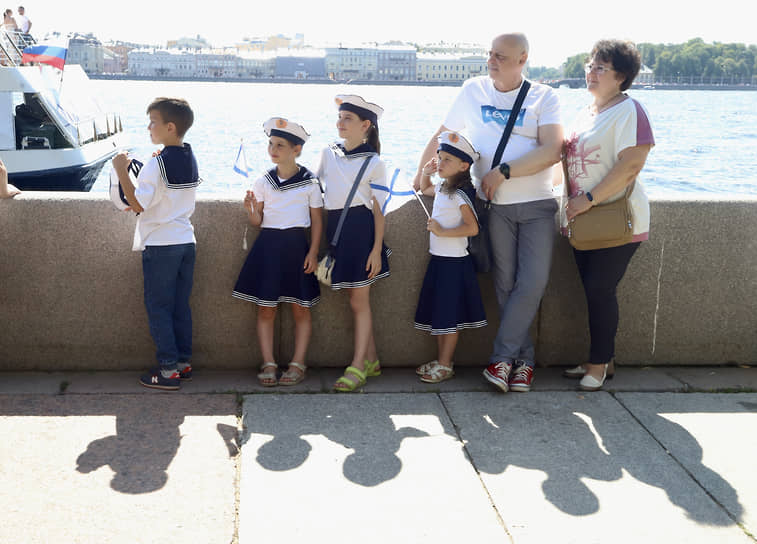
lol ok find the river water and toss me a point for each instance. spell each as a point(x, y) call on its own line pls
point(706, 140)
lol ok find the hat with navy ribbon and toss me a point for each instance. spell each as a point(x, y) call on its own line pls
point(455, 144)
point(283, 128)
point(116, 192)
point(356, 104)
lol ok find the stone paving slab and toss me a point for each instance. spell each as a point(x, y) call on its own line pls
point(32, 383)
point(727, 379)
point(714, 437)
point(117, 469)
point(578, 468)
point(358, 468)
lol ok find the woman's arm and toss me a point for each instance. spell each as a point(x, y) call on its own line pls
point(630, 162)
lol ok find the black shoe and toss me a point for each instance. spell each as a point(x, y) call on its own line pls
point(154, 379)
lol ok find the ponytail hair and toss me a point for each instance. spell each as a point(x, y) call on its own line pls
point(373, 138)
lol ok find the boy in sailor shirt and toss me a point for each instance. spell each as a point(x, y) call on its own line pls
point(164, 199)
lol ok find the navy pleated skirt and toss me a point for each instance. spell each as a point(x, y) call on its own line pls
point(273, 271)
point(450, 298)
point(354, 246)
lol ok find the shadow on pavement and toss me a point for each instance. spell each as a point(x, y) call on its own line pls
point(147, 435)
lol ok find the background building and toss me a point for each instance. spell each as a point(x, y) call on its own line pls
point(447, 67)
point(86, 51)
point(299, 65)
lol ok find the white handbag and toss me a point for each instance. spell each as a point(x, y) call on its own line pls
point(326, 263)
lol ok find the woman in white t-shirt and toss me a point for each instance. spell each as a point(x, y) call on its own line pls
point(450, 299)
point(606, 151)
point(279, 268)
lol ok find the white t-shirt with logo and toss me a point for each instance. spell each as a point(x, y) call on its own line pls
point(480, 112)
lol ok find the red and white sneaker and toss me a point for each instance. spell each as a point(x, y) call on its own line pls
point(499, 374)
point(520, 379)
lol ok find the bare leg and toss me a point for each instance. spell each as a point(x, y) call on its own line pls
point(303, 326)
point(266, 317)
point(447, 344)
point(360, 302)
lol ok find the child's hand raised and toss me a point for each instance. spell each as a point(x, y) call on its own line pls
point(431, 167)
point(121, 161)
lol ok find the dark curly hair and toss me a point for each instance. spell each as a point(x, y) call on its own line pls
point(623, 56)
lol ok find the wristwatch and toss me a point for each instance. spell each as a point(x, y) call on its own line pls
point(590, 197)
point(504, 169)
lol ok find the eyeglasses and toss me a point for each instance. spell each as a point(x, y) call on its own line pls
point(598, 68)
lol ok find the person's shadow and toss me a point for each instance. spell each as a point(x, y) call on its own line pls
point(147, 439)
point(371, 434)
point(589, 436)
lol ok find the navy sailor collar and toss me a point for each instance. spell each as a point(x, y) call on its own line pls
point(178, 167)
point(302, 178)
point(363, 150)
point(468, 194)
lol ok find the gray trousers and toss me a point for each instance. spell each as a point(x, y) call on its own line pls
point(522, 237)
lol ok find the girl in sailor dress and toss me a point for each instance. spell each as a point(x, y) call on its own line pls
point(450, 298)
point(360, 255)
point(279, 268)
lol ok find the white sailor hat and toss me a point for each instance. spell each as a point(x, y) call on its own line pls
point(278, 126)
point(356, 104)
point(116, 192)
point(455, 144)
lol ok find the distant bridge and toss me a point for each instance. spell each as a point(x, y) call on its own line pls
point(572, 82)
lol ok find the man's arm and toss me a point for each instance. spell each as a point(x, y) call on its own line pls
point(550, 138)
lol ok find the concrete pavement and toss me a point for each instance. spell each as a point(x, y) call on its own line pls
point(663, 455)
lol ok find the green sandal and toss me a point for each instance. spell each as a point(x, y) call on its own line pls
point(345, 384)
point(372, 369)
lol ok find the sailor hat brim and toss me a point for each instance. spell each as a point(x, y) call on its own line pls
point(356, 104)
point(455, 144)
point(283, 128)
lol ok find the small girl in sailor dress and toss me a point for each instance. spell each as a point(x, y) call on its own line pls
point(280, 265)
point(450, 298)
point(361, 257)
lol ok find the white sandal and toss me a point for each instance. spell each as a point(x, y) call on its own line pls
point(425, 367)
point(438, 373)
point(292, 377)
point(267, 378)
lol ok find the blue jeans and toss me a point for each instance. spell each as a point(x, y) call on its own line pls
point(522, 238)
point(168, 272)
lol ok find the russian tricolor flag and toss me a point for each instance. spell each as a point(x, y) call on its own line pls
point(45, 54)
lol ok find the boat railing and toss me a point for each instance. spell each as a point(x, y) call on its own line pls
point(12, 45)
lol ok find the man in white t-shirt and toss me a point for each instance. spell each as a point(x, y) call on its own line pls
point(521, 219)
point(23, 22)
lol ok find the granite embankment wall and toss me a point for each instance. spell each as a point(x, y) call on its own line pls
point(71, 295)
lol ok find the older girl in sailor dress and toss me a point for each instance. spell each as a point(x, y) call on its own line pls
point(360, 256)
point(450, 298)
point(280, 265)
